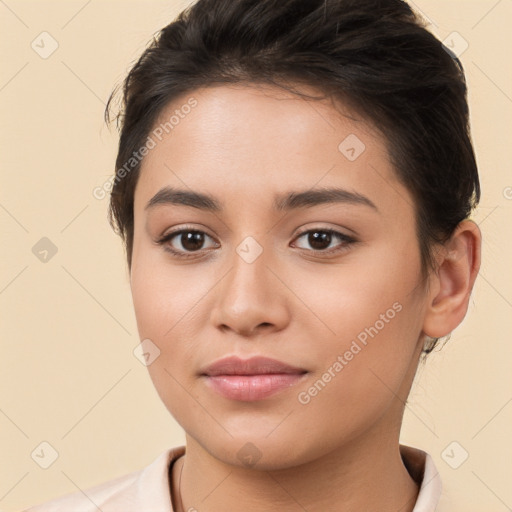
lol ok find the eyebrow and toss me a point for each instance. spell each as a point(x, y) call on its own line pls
point(282, 202)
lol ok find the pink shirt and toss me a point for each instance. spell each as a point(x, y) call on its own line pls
point(148, 489)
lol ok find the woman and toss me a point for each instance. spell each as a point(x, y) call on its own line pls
point(294, 184)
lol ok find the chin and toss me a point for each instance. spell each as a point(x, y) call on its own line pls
point(259, 451)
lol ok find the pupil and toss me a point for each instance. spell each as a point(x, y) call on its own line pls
point(317, 238)
point(192, 240)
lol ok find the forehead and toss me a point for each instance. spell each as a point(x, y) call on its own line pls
point(249, 140)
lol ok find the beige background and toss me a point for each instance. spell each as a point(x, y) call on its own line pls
point(68, 373)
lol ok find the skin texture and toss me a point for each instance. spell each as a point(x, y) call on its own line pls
point(244, 144)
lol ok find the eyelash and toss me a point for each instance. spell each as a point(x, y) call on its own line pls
point(347, 241)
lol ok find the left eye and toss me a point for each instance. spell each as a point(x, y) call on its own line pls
point(320, 239)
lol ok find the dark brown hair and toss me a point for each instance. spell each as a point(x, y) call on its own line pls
point(374, 55)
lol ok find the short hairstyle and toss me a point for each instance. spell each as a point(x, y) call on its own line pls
point(374, 55)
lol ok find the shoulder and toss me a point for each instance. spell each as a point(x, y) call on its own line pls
point(133, 491)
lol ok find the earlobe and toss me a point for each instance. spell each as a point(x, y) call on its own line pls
point(458, 266)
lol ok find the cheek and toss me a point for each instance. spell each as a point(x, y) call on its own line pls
point(164, 312)
point(376, 295)
point(166, 297)
point(374, 313)
point(362, 374)
point(380, 336)
point(170, 310)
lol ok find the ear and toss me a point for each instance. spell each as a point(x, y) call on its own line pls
point(458, 263)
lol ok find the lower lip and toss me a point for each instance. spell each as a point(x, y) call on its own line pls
point(249, 388)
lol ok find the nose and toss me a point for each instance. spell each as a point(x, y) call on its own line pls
point(251, 299)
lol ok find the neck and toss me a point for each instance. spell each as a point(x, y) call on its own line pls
point(367, 474)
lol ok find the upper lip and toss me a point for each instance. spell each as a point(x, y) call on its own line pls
point(257, 365)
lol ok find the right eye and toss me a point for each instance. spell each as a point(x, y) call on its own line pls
point(184, 242)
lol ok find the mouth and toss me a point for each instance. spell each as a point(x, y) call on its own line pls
point(251, 379)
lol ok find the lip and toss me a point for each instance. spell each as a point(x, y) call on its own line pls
point(251, 379)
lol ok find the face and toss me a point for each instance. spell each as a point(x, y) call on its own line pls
point(329, 284)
